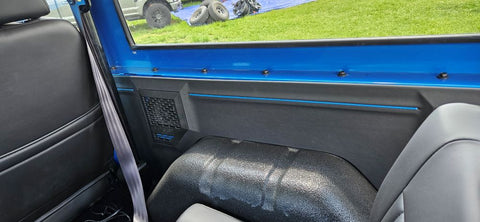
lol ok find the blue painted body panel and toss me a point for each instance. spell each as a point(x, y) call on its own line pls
point(409, 64)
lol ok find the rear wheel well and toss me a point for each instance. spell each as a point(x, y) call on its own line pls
point(149, 2)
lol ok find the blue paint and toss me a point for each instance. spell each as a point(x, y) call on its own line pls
point(125, 90)
point(76, 12)
point(408, 79)
point(410, 65)
point(115, 157)
point(305, 101)
point(164, 136)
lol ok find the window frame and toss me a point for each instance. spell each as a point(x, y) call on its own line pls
point(385, 62)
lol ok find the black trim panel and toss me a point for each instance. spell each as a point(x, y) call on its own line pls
point(369, 138)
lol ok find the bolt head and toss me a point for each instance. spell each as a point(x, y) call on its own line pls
point(442, 75)
point(341, 74)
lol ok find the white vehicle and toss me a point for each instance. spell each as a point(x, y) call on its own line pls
point(156, 12)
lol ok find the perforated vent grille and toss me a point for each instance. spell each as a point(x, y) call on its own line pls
point(161, 112)
point(162, 117)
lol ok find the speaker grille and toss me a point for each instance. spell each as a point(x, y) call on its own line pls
point(161, 112)
point(162, 116)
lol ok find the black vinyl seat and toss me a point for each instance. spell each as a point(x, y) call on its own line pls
point(435, 178)
point(53, 139)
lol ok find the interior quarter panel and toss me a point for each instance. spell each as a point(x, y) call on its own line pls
point(370, 138)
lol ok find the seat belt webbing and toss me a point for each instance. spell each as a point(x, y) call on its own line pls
point(120, 144)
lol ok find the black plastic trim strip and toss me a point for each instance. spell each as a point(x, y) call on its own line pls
point(124, 24)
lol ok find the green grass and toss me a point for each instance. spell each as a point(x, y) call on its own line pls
point(191, 4)
point(325, 19)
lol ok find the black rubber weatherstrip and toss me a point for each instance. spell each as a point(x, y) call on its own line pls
point(90, 33)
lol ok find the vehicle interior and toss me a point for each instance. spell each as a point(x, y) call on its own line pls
point(331, 130)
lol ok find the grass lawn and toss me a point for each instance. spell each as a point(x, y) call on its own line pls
point(327, 19)
point(188, 4)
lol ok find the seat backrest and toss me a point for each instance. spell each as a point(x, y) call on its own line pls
point(53, 139)
point(437, 175)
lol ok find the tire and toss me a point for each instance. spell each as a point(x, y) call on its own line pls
point(158, 15)
point(241, 8)
point(199, 16)
point(210, 20)
point(237, 9)
point(256, 7)
point(218, 12)
point(207, 3)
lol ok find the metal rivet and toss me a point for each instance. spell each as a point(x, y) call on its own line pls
point(442, 75)
point(265, 72)
point(155, 69)
point(341, 74)
point(204, 70)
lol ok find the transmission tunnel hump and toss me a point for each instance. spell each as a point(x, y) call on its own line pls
point(261, 182)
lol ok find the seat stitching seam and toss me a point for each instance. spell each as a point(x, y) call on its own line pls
point(95, 108)
point(59, 142)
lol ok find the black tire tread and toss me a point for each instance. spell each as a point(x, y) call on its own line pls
point(215, 15)
point(158, 8)
point(201, 19)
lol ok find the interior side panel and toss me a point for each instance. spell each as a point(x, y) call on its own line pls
point(365, 124)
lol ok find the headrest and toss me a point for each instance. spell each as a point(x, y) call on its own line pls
point(15, 10)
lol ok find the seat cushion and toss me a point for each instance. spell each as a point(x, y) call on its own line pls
point(202, 213)
point(437, 175)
